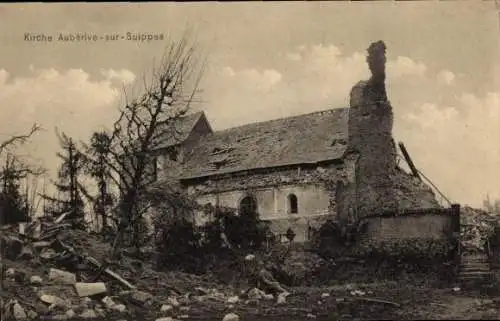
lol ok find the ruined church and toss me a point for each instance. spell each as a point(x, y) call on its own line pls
point(299, 171)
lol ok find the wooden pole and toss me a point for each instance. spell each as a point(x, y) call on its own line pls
point(409, 161)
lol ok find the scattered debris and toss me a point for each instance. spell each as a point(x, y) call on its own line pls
point(358, 292)
point(89, 289)
point(88, 314)
point(231, 317)
point(282, 298)
point(165, 319)
point(36, 280)
point(166, 308)
point(112, 305)
point(18, 312)
point(70, 314)
point(62, 277)
point(173, 301)
point(476, 227)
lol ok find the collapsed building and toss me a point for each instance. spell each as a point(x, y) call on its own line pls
point(297, 172)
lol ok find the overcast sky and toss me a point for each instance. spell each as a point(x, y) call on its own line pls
point(270, 60)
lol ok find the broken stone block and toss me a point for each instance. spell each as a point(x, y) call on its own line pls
point(59, 317)
point(112, 305)
point(233, 299)
point(108, 302)
point(53, 301)
point(184, 316)
point(325, 295)
point(282, 298)
point(89, 289)
point(165, 319)
point(86, 302)
point(255, 294)
point(36, 280)
point(120, 308)
point(142, 297)
point(62, 277)
point(231, 317)
point(70, 314)
point(166, 308)
point(47, 254)
point(268, 297)
point(10, 273)
point(41, 244)
point(173, 301)
point(88, 314)
point(18, 312)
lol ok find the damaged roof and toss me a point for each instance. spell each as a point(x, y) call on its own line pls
point(303, 139)
point(178, 131)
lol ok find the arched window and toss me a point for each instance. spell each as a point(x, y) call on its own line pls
point(293, 206)
point(248, 206)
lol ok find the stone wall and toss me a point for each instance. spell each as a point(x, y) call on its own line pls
point(312, 185)
point(428, 226)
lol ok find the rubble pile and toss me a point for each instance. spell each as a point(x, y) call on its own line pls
point(476, 227)
point(411, 192)
point(55, 272)
point(295, 266)
point(51, 269)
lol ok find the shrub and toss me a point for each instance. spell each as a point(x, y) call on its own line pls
point(179, 247)
point(182, 245)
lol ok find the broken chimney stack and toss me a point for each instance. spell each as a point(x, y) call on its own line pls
point(370, 138)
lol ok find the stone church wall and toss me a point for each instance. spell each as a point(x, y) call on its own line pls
point(316, 196)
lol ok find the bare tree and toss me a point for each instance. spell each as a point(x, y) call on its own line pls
point(95, 155)
point(7, 145)
point(141, 126)
point(17, 205)
point(12, 162)
point(17, 140)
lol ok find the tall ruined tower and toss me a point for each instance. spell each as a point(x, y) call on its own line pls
point(370, 139)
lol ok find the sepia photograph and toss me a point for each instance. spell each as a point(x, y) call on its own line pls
point(250, 161)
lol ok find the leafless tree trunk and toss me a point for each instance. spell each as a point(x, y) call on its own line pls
point(143, 123)
point(6, 145)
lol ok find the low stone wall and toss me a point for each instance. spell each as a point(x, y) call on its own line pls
point(429, 226)
point(420, 244)
point(422, 232)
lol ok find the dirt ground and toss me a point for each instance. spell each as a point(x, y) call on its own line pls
point(404, 302)
point(388, 300)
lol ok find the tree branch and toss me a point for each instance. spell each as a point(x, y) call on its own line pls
point(19, 139)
